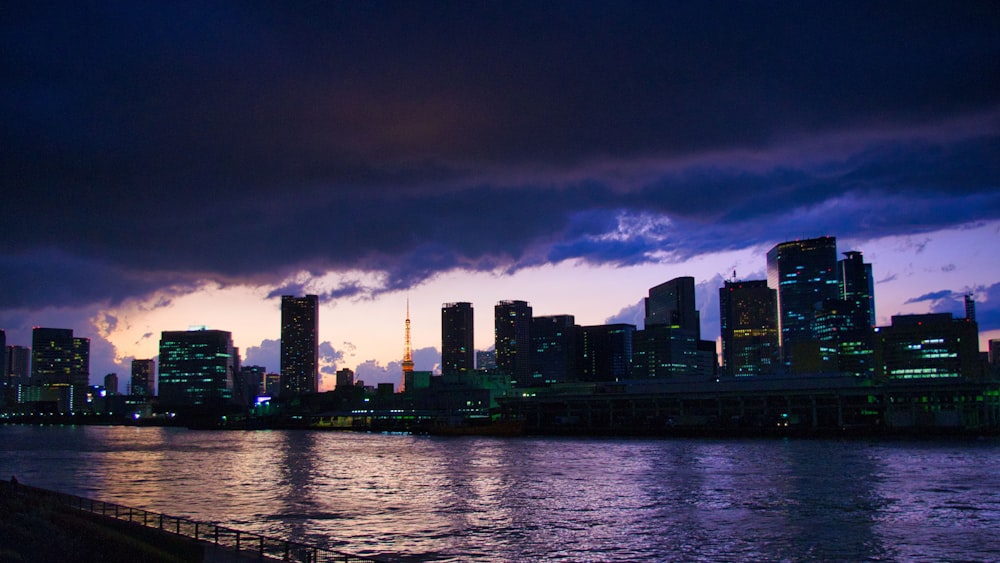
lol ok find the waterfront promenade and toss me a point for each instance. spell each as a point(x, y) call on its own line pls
point(42, 525)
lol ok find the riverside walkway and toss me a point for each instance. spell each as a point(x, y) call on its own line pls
point(39, 524)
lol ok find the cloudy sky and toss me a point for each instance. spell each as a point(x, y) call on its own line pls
point(186, 163)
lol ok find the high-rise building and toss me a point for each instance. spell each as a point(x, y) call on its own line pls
point(18, 365)
point(4, 380)
point(249, 384)
point(933, 346)
point(512, 324)
point(554, 341)
point(748, 317)
point(143, 378)
point(803, 273)
point(111, 383)
point(856, 284)
point(57, 357)
point(606, 352)
point(299, 344)
point(345, 378)
point(197, 367)
point(846, 339)
point(672, 303)
point(60, 367)
point(457, 338)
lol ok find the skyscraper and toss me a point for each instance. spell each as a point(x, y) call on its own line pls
point(299, 344)
point(57, 357)
point(143, 378)
point(856, 284)
point(803, 273)
point(18, 365)
point(606, 352)
point(196, 367)
point(457, 339)
point(60, 363)
point(749, 325)
point(554, 341)
point(3, 359)
point(672, 303)
point(512, 330)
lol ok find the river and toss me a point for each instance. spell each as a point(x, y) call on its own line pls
point(555, 499)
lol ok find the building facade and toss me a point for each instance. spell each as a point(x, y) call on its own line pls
point(934, 346)
point(512, 330)
point(554, 341)
point(457, 338)
point(748, 315)
point(143, 378)
point(299, 345)
point(197, 367)
point(803, 273)
point(606, 352)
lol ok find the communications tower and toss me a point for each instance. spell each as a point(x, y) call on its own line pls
point(407, 355)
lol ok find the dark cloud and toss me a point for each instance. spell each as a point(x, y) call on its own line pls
point(267, 354)
point(158, 146)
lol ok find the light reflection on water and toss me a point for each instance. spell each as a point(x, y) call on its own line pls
point(540, 498)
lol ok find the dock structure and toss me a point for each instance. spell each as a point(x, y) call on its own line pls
point(818, 405)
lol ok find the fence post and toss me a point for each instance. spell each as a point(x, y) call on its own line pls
point(216, 534)
point(195, 530)
point(288, 551)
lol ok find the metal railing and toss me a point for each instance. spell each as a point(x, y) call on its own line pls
point(246, 543)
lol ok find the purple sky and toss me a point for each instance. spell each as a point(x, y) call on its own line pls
point(151, 151)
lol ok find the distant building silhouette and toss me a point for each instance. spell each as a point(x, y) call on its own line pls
point(803, 273)
point(554, 341)
point(249, 384)
point(111, 383)
point(407, 363)
point(299, 344)
point(748, 315)
point(856, 284)
point(4, 367)
point(18, 365)
point(457, 338)
point(143, 378)
point(606, 352)
point(512, 323)
point(345, 378)
point(197, 367)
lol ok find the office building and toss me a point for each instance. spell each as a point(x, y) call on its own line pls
point(803, 273)
point(299, 345)
point(111, 383)
point(345, 378)
point(512, 330)
point(457, 339)
point(57, 357)
point(672, 303)
point(18, 365)
point(4, 380)
point(856, 284)
point(606, 352)
point(933, 346)
point(486, 360)
point(554, 358)
point(143, 378)
point(748, 318)
point(197, 367)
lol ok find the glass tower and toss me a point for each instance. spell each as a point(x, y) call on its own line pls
point(749, 325)
point(196, 367)
point(803, 273)
point(457, 342)
point(299, 344)
point(512, 330)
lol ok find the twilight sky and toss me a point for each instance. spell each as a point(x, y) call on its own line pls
point(186, 163)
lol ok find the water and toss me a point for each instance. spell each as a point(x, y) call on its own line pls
point(529, 499)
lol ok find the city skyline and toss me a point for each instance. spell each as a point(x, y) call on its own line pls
point(573, 156)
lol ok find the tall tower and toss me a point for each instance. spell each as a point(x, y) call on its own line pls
point(407, 353)
point(457, 342)
point(803, 272)
point(748, 318)
point(856, 284)
point(512, 326)
point(196, 367)
point(143, 378)
point(672, 303)
point(299, 344)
